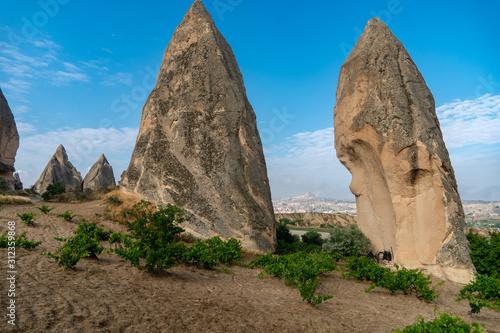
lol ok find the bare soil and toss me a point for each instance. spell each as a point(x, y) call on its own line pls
point(109, 295)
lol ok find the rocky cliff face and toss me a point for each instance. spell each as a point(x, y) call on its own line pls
point(387, 134)
point(59, 170)
point(9, 142)
point(100, 175)
point(198, 143)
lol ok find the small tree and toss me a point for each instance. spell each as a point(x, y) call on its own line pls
point(347, 241)
point(52, 191)
point(313, 238)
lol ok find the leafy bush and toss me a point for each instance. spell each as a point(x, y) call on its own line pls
point(27, 218)
point(151, 237)
point(442, 324)
point(313, 238)
point(17, 241)
point(114, 200)
point(283, 233)
point(4, 186)
point(484, 291)
point(298, 246)
point(83, 195)
point(300, 270)
point(485, 253)
point(84, 243)
point(406, 280)
point(347, 241)
point(44, 209)
point(68, 216)
point(52, 191)
point(212, 252)
point(1, 207)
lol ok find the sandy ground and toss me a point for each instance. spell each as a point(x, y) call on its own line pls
point(109, 295)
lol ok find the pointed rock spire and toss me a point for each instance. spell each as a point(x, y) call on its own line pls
point(59, 170)
point(100, 175)
point(198, 143)
point(18, 184)
point(387, 134)
point(9, 142)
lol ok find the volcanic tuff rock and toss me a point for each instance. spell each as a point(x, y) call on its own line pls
point(100, 175)
point(198, 143)
point(9, 142)
point(59, 170)
point(387, 135)
point(18, 184)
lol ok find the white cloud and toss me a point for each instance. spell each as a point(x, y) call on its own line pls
point(84, 146)
point(306, 162)
point(114, 79)
point(470, 122)
point(25, 128)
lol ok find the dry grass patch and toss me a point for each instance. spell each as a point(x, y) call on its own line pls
point(120, 201)
point(14, 200)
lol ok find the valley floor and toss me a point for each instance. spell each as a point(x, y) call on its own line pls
point(109, 295)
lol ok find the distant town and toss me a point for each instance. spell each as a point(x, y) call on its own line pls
point(477, 212)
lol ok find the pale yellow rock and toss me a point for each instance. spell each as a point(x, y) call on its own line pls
point(387, 135)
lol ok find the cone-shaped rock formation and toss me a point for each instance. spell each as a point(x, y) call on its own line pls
point(100, 175)
point(59, 170)
point(198, 143)
point(9, 142)
point(387, 135)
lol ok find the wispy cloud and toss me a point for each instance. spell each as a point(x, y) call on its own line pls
point(306, 162)
point(470, 122)
point(83, 146)
point(118, 78)
point(25, 128)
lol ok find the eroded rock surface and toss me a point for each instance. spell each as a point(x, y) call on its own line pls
point(18, 184)
point(198, 143)
point(9, 142)
point(59, 170)
point(387, 135)
point(100, 175)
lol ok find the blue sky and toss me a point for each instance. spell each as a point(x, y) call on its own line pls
point(78, 73)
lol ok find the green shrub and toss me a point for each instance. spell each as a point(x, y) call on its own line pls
point(313, 238)
point(84, 243)
point(52, 191)
point(283, 247)
point(406, 280)
point(27, 218)
point(83, 195)
point(152, 237)
point(300, 270)
point(212, 252)
point(4, 186)
point(44, 209)
point(283, 233)
point(484, 291)
point(114, 200)
point(347, 241)
point(443, 324)
point(68, 216)
point(18, 241)
point(1, 207)
point(485, 253)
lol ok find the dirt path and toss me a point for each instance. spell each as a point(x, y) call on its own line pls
point(109, 295)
